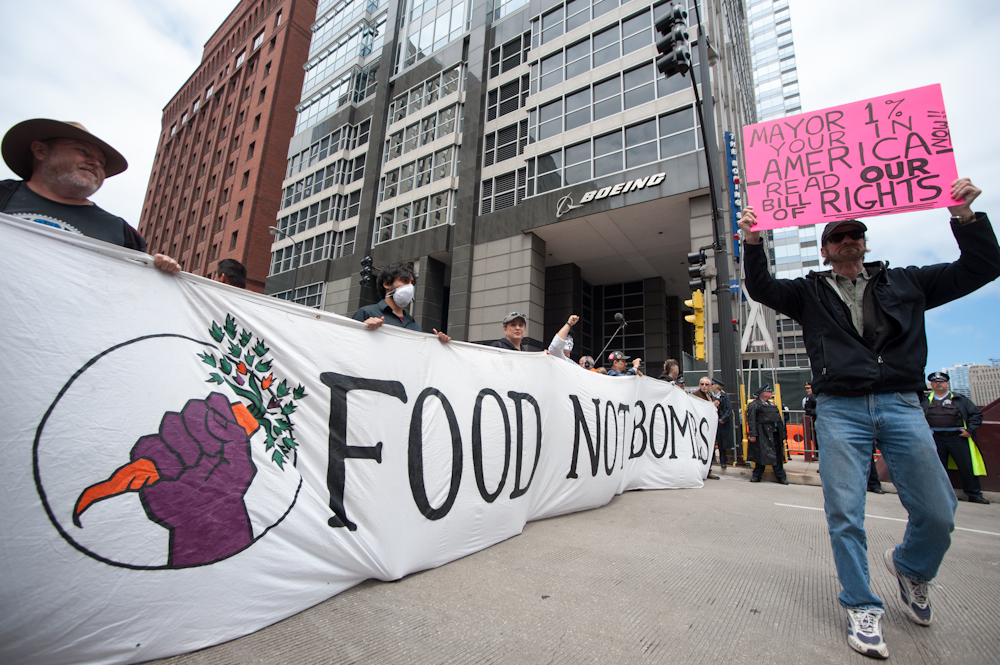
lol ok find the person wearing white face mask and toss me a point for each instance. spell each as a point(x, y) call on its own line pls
point(397, 283)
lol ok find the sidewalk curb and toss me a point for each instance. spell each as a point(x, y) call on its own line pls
point(807, 473)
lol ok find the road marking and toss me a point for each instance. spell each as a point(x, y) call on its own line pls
point(880, 517)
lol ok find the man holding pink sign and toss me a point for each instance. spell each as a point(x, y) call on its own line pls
point(863, 325)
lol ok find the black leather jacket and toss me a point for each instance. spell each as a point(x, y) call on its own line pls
point(891, 355)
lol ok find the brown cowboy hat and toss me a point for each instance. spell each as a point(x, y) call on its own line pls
point(17, 142)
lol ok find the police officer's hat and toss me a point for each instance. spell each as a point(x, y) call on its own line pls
point(764, 388)
point(938, 376)
point(716, 382)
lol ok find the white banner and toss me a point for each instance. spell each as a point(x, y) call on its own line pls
point(185, 462)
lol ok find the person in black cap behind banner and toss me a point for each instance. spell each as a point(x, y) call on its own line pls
point(63, 164)
point(766, 435)
point(515, 326)
point(954, 419)
point(863, 325)
point(618, 365)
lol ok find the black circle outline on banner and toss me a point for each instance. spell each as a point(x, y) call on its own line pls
point(45, 501)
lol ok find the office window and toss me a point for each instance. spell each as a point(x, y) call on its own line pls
point(639, 87)
point(550, 119)
point(607, 98)
point(637, 32)
point(552, 24)
point(504, 190)
point(608, 154)
point(551, 71)
point(412, 137)
point(578, 163)
point(549, 171)
point(606, 46)
point(640, 144)
point(578, 58)
point(577, 109)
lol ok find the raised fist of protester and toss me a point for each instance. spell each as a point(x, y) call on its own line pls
point(192, 477)
point(747, 221)
point(963, 190)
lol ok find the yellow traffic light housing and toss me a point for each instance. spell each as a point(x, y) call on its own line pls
point(697, 303)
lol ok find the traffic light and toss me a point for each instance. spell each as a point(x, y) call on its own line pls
point(366, 271)
point(697, 303)
point(696, 271)
point(673, 46)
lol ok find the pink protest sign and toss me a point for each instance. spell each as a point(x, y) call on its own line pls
point(878, 156)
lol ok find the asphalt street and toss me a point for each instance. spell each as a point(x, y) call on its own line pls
point(732, 573)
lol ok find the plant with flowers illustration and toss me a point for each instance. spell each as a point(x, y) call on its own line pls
point(247, 371)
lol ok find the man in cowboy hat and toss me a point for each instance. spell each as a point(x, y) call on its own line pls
point(62, 165)
point(864, 332)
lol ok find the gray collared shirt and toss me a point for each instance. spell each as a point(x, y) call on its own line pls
point(852, 293)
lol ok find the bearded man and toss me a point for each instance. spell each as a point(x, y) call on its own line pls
point(63, 165)
point(863, 325)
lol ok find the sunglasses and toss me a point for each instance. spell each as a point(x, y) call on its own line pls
point(856, 234)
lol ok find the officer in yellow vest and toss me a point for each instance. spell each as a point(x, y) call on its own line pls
point(954, 420)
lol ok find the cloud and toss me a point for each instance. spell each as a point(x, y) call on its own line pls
point(111, 65)
point(854, 49)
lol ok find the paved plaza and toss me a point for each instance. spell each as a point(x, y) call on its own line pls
point(732, 573)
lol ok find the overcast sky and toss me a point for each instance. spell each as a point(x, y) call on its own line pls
point(113, 65)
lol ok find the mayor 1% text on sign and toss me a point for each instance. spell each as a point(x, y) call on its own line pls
point(879, 156)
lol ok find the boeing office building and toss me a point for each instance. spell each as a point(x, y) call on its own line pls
point(525, 155)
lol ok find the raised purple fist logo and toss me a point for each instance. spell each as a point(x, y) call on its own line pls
point(191, 477)
point(209, 471)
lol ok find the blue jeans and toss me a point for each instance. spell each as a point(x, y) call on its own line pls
point(896, 421)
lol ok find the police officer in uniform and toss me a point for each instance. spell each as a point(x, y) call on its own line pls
point(766, 435)
point(954, 420)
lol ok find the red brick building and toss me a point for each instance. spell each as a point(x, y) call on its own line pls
point(222, 155)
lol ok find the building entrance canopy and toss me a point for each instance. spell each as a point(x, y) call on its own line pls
point(641, 241)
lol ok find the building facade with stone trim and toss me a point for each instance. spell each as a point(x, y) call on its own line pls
point(213, 191)
point(525, 155)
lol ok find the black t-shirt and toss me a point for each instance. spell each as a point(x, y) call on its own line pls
point(88, 220)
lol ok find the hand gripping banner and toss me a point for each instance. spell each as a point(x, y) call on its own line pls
point(185, 462)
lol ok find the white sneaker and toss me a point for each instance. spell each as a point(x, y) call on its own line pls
point(915, 595)
point(864, 633)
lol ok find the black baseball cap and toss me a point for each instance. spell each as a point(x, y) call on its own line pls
point(833, 226)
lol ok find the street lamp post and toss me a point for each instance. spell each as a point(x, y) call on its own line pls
point(274, 230)
point(706, 116)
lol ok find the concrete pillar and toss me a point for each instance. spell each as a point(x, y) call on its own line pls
point(428, 308)
point(508, 275)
